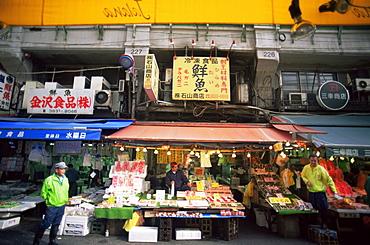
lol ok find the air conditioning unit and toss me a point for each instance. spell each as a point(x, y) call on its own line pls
point(362, 84)
point(103, 98)
point(298, 98)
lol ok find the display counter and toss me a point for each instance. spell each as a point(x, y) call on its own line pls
point(349, 220)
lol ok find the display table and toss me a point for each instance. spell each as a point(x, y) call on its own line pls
point(349, 220)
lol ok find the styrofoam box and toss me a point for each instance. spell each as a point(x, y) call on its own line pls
point(75, 232)
point(188, 234)
point(143, 234)
point(77, 222)
point(9, 222)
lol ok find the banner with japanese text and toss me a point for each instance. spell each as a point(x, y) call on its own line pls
point(201, 78)
point(60, 101)
point(7, 83)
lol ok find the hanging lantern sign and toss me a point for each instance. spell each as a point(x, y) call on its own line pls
point(126, 61)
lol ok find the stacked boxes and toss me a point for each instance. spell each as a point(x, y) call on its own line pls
point(77, 225)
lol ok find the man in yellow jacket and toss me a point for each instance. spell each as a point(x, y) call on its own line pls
point(316, 178)
point(55, 192)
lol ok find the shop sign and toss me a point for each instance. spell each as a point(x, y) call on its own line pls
point(348, 151)
point(151, 77)
point(332, 96)
point(60, 101)
point(201, 78)
point(7, 83)
point(45, 134)
point(67, 147)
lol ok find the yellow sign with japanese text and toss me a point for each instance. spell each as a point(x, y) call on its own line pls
point(279, 200)
point(201, 78)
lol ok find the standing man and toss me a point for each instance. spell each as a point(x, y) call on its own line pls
point(316, 179)
point(55, 193)
point(177, 177)
point(72, 176)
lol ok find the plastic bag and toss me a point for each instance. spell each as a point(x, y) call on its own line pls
point(87, 159)
point(36, 153)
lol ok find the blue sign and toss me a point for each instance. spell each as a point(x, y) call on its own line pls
point(50, 134)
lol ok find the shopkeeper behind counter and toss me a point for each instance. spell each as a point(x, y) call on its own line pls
point(178, 178)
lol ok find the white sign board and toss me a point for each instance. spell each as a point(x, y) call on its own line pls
point(60, 101)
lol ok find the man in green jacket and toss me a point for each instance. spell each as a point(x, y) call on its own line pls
point(55, 193)
point(316, 178)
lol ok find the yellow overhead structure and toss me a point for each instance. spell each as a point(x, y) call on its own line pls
point(118, 12)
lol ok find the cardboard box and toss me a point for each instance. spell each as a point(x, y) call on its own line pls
point(188, 234)
point(143, 234)
point(5, 223)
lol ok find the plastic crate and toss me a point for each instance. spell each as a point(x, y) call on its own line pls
point(323, 237)
point(206, 227)
point(228, 229)
point(98, 226)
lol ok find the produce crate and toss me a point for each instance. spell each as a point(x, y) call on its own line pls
point(98, 226)
point(323, 237)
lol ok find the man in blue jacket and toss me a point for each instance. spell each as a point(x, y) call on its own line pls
point(55, 192)
point(178, 178)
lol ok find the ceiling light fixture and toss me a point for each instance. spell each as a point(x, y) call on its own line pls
point(301, 28)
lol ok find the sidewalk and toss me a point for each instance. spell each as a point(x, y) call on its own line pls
point(249, 233)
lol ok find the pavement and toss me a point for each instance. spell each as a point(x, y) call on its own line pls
point(249, 233)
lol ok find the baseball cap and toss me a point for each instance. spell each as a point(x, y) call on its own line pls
point(60, 165)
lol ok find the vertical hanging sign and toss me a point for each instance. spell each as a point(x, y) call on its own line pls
point(201, 78)
point(7, 83)
point(151, 77)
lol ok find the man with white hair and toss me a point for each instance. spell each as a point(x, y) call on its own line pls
point(55, 192)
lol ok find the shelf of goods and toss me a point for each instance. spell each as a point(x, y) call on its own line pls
point(276, 196)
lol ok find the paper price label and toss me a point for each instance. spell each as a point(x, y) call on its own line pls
point(214, 184)
point(111, 200)
point(200, 186)
point(216, 196)
point(279, 200)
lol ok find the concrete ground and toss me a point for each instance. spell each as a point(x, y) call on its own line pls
point(249, 233)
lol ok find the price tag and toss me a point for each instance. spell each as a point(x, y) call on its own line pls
point(209, 178)
point(279, 195)
point(200, 186)
point(110, 200)
point(282, 204)
point(216, 196)
point(213, 215)
point(279, 200)
point(215, 184)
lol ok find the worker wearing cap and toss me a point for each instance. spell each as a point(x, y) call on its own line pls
point(55, 193)
point(178, 178)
